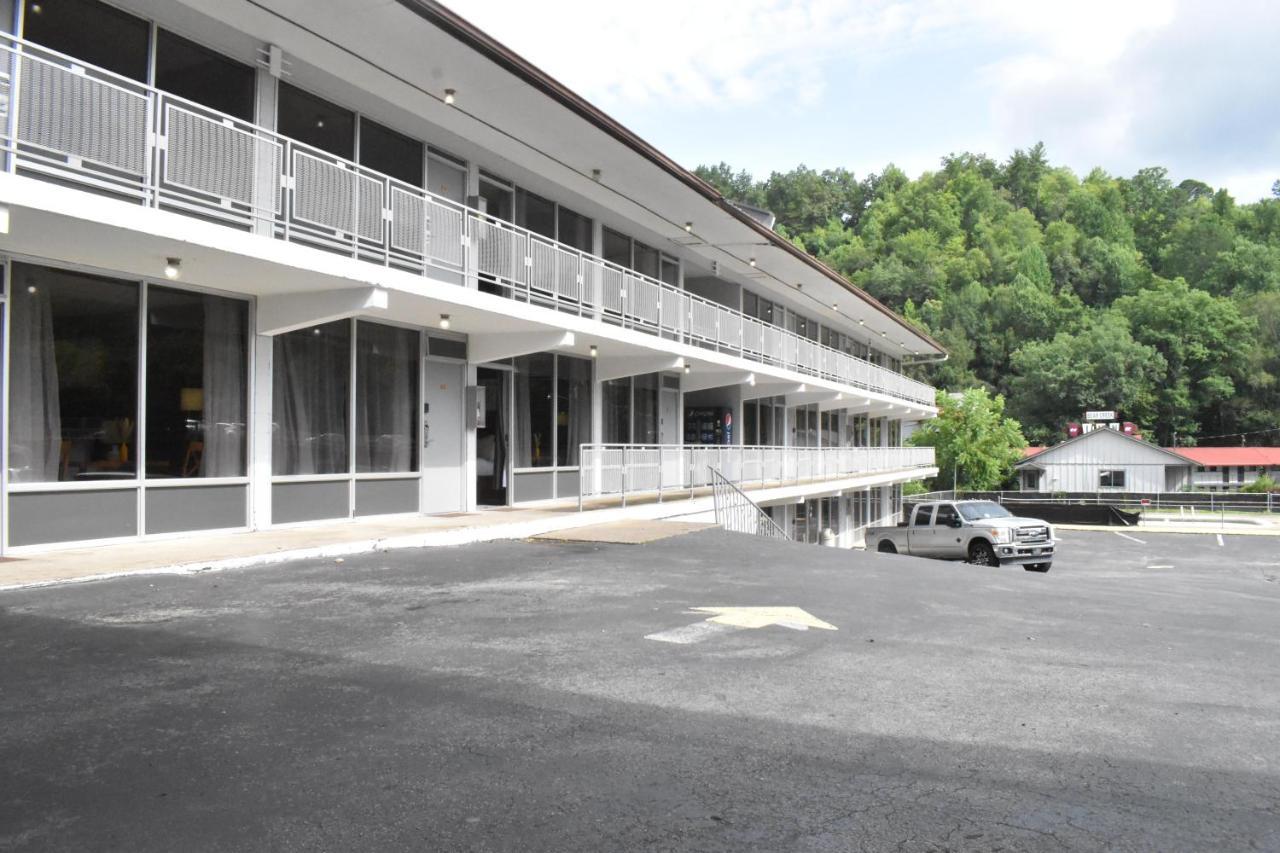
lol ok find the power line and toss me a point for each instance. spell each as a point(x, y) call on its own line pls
point(1238, 434)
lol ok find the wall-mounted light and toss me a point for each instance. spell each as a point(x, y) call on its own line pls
point(688, 368)
point(595, 351)
point(444, 321)
point(172, 267)
point(449, 97)
point(36, 8)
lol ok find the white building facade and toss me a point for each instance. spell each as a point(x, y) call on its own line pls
point(284, 262)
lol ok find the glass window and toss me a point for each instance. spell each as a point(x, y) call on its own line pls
point(644, 429)
point(386, 398)
point(536, 213)
point(646, 260)
point(573, 408)
point(978, 510)
point(391, 153)
point(750, 422)
point(498, 200)
point(197, 384)
point(533, 435)
point(93, 32)
point(617, 248)
point(750, 304)
point(946, 516)
point(316, 122)
point(311, 379)
point(73, 376)
point(1111, 479)
point(617, 411)
point(575, 230)
point(922, 514)
point(669, 271)
point(195, 72)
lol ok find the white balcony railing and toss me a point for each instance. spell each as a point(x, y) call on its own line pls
point(76, 124)
point(629, 469)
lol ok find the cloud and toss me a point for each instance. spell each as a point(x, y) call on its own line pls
point(1119, 83)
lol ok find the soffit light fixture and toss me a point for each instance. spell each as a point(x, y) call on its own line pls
point(449, 97)
point(444, 321)
point(688, 227)
point(595, 351)
point(688, 368)
point(172, 268)
point(753, 262)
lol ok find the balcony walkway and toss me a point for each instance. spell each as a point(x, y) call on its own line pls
point(197, 552)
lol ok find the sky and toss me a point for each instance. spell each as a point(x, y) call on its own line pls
point(766, 85)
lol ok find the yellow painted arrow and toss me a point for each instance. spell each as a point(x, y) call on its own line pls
point(760, 617)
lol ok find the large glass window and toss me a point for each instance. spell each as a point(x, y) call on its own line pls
point(573, 408)
point(195, 72)
point(553, 409)
point(617, 248)
point(536, 213)
point(197, 396)
point(391, 153)
point(311, 387)
point(386, 398)
point(498, 199)
point(575, 230)
point(92, 32)
point(646, 260)
point(535, 375)
point(316, 122)
point(617, 411)
point(644, 429)
point(73, 377)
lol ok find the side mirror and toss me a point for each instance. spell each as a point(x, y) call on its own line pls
point(955, 522)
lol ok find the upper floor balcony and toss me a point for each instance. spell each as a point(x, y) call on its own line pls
point(76, 124)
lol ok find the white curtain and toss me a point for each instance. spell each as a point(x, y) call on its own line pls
point(224, 387)
point(579, 427)
point(387, 389)
point(311, 382)
point(524, 427)
point(35, 413)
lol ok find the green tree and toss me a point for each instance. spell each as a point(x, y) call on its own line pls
point(976, 446)
point(735, 186)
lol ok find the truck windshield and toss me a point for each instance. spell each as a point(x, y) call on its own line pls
point(983, 509)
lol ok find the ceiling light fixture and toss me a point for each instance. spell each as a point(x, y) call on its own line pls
point(172, 267)
point(444, 321)
point(688, 226)
point(753, 262)
point(595, 174)
point(595, 351)
point(449, 97)
point(688, 369)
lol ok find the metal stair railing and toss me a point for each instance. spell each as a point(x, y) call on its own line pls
point(738, 513)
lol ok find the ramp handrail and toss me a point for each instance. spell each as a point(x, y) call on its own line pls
point(738, 513)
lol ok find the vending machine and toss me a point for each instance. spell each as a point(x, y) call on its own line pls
point(708, 425)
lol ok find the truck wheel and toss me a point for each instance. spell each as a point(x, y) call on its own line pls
point(1037, 567)
point(982, 554)
point(887, 547)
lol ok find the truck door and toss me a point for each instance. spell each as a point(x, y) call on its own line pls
point(920, 531)
point(945, 534)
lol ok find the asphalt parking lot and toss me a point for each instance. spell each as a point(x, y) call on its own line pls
point(508, 697)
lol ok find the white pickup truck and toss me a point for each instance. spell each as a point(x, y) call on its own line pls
point(981, 532)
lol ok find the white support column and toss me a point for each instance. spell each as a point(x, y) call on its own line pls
point(260, 418)
point(267, 175)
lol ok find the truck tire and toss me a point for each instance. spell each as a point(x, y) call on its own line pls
point(982, 554)
point(887, 547)
point(1037, 567)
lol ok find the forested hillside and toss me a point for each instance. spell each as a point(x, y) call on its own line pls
point(1063, 293)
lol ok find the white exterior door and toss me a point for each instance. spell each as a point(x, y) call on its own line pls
point(443, 437)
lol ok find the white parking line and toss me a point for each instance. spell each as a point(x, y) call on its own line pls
point(1130, 538)
point(1221, 544)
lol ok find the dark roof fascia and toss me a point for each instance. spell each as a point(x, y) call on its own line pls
point(467, 33)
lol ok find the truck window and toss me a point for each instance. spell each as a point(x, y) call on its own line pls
point(922, 516)
point(946, 516)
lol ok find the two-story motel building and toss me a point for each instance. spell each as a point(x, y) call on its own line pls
point(273, 262)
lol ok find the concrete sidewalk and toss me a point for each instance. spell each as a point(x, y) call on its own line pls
point(210, 552)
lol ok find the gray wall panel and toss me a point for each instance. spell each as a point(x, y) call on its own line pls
point(39, 517)
point(309, 501)
point(567, 484)
point(534, 485)
point(380, 497)
point(172, 510)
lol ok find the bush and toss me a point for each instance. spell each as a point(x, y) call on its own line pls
point(1263, 484)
